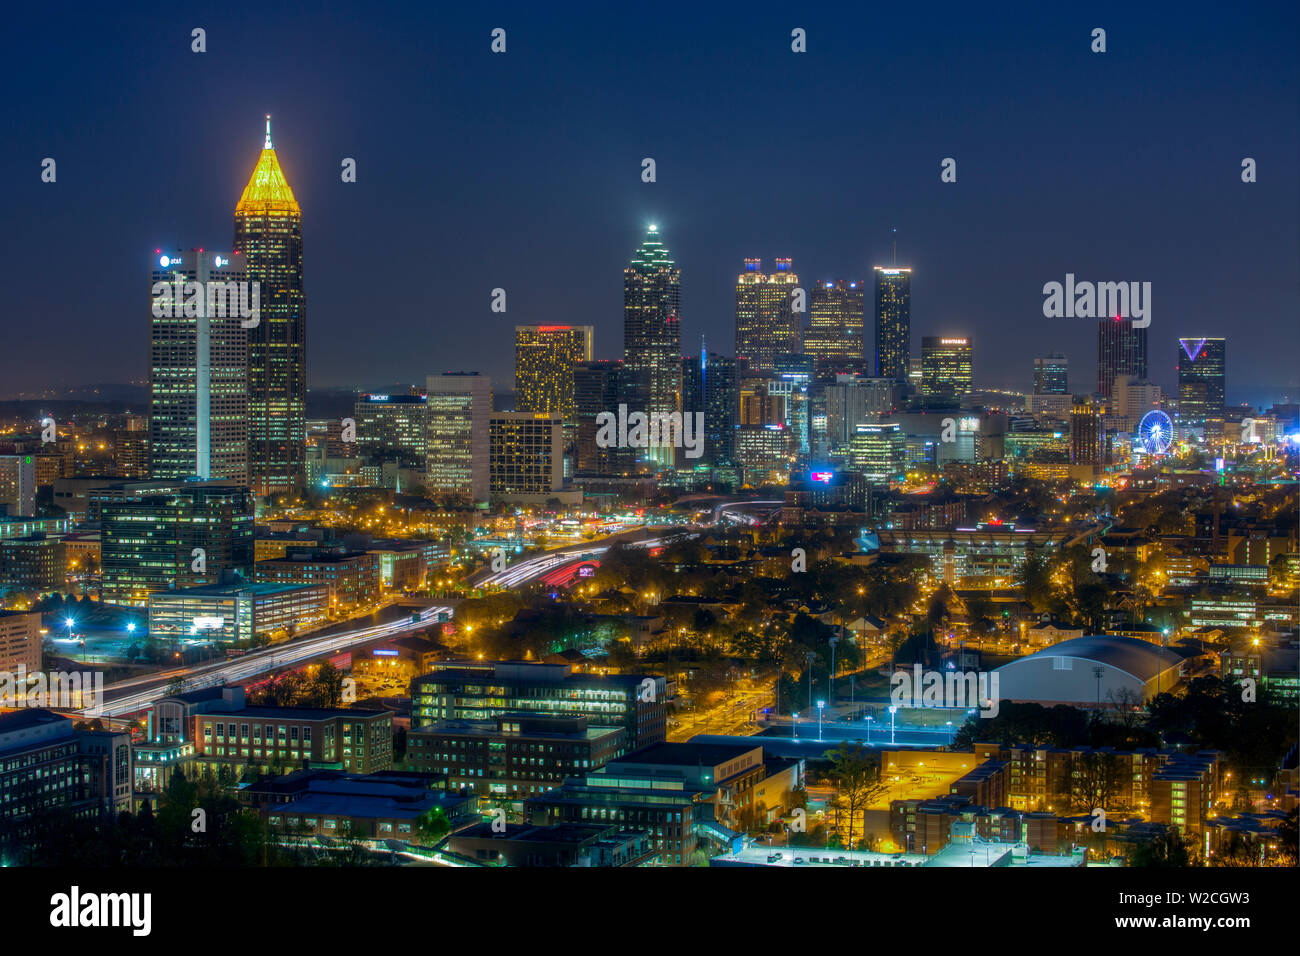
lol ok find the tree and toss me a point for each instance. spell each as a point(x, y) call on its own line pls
point(918, 648)
point(1036, 582)
point(937, 613)
point(1238, 851)
point(283, 690)
point(979, 607)
point(325, 687)
point(1097, 781)
point(814, 837)
point(1288, 839)
point(855, 774)
point(797, 798)
point(432, 826)
point(890, 592)
point(1028, 723)
point(1212, 716)
point(1166, 850)
point(1089, 602)
point(621, 655)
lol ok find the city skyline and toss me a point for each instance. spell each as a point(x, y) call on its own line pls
point(964, 284)
point(865, 341)
point(807, 323)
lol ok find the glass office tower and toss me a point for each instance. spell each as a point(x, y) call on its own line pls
point(268, 233)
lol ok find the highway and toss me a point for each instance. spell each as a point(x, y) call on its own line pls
point(529, 568)
point(726, 506)
point(136, 694)
point(139, 693)
point(526, 570)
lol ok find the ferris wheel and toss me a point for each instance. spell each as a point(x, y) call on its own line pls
point(1155, 433)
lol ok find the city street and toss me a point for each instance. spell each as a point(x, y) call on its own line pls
point(136, 694)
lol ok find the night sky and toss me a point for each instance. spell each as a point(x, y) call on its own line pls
point(522, 171)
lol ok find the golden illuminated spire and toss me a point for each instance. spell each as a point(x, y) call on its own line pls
point(267, 192)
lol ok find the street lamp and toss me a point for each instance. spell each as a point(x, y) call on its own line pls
point(796, 726)
point(870, 720)
point(821, 705)
point(893, 711)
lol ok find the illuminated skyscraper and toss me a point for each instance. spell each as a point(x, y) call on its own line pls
point(945, 366)
point(393, 428)
point(17, 484)
point(766, 323)
point(163, 536)
point(914, 374)
point(1051, 375)
point(879, 452)
point(1086, 434)
point(598, 386)
point(459, 406)
point(1121, 350)
point(1201, 380)
point(526, 459)
point(652, 333)
point(836, 332)
point(268, 233)
point(763, 454)
point(198, 367)
point(854, 400)
point(1130, 400)
point(131, 445)
point(794, 379)
point(893, 322)
point(710, 386)
point(545, 356)
point(760, 400)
